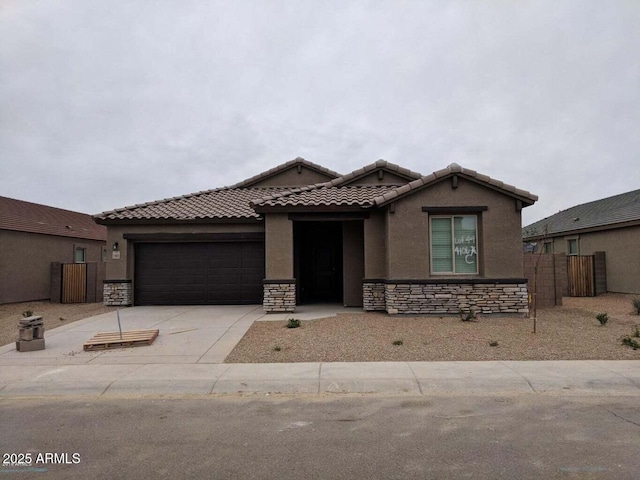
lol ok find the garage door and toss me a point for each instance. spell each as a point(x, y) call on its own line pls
point(212, 273)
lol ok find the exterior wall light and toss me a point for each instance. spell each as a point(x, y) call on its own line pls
point(116, 247)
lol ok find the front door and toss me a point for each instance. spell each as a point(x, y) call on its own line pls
point(319, 261)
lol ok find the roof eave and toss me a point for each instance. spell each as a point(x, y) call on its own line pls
point(578, 231)
point(169, 221)
point(308, 208)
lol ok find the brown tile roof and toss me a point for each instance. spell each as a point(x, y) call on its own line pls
point(21, 216)
point(240, 202)
point(325, 195)
point(220, 203)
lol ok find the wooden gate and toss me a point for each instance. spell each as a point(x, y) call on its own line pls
point(74, 283)
point(581, 273)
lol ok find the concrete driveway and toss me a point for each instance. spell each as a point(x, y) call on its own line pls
point(188, 334)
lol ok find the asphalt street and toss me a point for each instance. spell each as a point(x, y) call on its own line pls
point(331, 436)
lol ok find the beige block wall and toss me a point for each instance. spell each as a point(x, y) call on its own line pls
point(25, 262)
point(499, 231)
point(123, 268)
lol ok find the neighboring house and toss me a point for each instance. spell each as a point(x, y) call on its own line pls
point(382, 237)
point(610, 225)
point(32, 236)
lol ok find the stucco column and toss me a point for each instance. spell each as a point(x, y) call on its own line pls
point(279, 285)
point(278, 246)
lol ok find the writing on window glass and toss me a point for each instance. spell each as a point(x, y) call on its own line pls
point(466, 247)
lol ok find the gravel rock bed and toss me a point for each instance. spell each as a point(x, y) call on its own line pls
point(51, 313)
point(569, 332)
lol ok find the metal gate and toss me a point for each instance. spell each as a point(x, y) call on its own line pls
point(581, 273)
point(74, 283)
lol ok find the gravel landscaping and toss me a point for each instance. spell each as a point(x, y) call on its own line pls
point(569, 332)
point(53, 314)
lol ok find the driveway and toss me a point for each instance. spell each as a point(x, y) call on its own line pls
point(188, 334)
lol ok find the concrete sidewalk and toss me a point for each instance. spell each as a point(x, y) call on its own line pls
point(188, 356)
point(574, 378)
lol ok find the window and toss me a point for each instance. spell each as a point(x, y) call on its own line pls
point(81, 255)
point(454, 247)
point(548, 247)
point(572, 246)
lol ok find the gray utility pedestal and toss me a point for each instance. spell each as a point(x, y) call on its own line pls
point(31, 334)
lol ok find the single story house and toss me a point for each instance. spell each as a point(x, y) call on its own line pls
point(610, 225)
point(32, 236)
point(381, 238)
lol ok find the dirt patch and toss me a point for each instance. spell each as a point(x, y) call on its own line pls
point(53, 314)
point(570, 332)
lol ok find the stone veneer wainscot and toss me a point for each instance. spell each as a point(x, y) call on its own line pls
point(279, 296)
point(117, 293)
point(449, 297)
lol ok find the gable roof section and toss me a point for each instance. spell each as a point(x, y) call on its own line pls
point(21, 216)
point(297, 162)
point(336, 192)
point(454, 169)
point(373, 167)
point(611, 212)
point(341, 193)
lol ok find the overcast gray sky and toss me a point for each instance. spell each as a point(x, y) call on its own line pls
point(110, 103)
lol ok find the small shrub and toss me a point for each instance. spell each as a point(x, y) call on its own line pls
point(277, 348)
point(630, 342)
point(469, 316)
point(293, 323)
point(493, 343)
point(603, 318)
point(27, 313)
point(62, 319)
point(636, 332)
point(636, 305)
point(397, 342)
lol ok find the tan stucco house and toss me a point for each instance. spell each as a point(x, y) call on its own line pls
point(32, 236)
point(381, 238)
point(610, 225)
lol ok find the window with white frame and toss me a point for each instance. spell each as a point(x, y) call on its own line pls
point(572, 246)
point(454, 244)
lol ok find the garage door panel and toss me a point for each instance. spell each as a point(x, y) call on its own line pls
point(199, 273)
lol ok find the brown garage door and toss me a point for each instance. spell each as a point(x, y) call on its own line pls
point(199, 273)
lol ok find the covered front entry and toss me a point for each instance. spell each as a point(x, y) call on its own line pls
point(198, 273)
point(328, 261)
